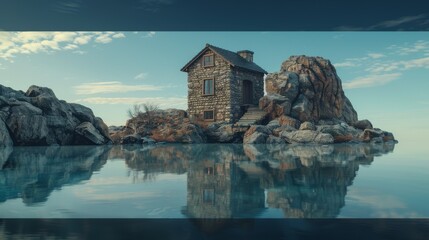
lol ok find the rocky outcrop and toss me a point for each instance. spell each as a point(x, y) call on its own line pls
point(171, 125)
point(305, 103)
point(308, 89)
point(38, 117)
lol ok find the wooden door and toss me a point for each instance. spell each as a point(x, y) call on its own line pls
point(247, 92)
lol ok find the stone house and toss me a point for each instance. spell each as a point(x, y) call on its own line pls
point(222, 84)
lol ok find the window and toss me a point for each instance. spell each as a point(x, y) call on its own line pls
point(209, 115)
point(208, 88)
point(208, 60)
point(209, 170)
point(208, 196)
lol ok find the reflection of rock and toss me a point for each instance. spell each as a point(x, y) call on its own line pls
point(230, 180)
point(33, 173)
point(308, 181)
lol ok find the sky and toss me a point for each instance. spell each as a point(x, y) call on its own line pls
point(384, 74)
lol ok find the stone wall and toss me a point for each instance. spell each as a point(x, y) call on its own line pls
point(239, 75)
point(220, 101)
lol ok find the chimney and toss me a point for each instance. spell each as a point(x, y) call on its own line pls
point(246, 54)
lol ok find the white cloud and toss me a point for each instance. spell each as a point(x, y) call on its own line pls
point(407, 49)
point(15, 43)
point(64, 36)
point(83, 39)
point(71, 47)
point(162, 102)
point(399, 65)
point(376, 55)
point(104, 38)
point(400, 23)
point(371, 80)
point(397, 22)
point(149, 35)
point(141, 76)
point(346, 64)
point(118, 35)
point(112, 87)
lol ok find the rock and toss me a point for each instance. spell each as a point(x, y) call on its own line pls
point(275, 140)
point(275, 105)
point(301, 108)
point(34, 91)
point(369, 134)
point(37, 117)
point(26, 125)
point(102, 127)
point(307, 126)
point(147, 140)
point(117, 136)
point(307, 136)
point(284, 83)
point(340, 132)
point(377, 140)
point(388, 136)
point(256, 134)
point(132, 139)
point(274, 124)
point(276, 132)
point(289, 121)
point(5, 140)
point(82, 113)
point(89, 134)
point(255, 138)
point(221, 132)
point(183, 133)
point(312, 87)
point(363, 124)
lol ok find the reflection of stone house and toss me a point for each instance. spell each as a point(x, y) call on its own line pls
point(222, 190)
point(222, 84)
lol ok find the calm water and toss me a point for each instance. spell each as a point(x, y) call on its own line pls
point(214, 181)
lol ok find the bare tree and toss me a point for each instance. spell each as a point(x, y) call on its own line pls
point(143, 112)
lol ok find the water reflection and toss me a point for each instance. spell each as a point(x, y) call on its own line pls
point(228, 181)
point(223, 181)
point(32, 173)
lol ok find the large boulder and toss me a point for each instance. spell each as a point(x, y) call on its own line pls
point(27, 125)
point(89, 134)
point(289, 121)
point(311, 87)
point(307, 136)
point(256, 134)
point(5, 140)
point(340, 132)
point(363, 124)
point(275, 105)
point(221, 133)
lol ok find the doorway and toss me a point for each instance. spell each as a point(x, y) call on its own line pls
point(247, 92)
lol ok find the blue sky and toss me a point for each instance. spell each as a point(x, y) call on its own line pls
point(384, 74)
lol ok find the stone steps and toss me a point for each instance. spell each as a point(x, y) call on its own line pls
point(253, 116)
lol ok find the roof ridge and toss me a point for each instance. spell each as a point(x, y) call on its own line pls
point(231, 57)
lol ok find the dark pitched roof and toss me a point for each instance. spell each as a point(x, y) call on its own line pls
point(231, 57)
